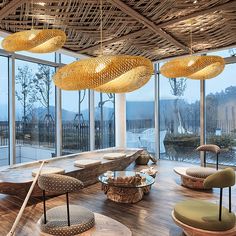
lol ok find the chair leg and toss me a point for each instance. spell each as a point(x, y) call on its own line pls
point(217, 161)
point(204, 159)
point(44, 207)
point(220, 207)
point(68, 210)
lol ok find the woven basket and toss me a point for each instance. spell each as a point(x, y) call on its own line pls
point(143, 158)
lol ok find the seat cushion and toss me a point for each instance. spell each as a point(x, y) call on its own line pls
point(204, 215)
point(56, 183)
point(48, 170)
point(81, 220)
point(114, 155)
point(200, 172)
point(83, 163)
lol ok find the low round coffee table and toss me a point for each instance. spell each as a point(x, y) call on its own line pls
point(125, 193)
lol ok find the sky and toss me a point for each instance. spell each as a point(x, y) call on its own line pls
point(146, 93)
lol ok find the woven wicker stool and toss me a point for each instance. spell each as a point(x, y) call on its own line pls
point(68, 219)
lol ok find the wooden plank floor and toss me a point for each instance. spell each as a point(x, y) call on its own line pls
point(149, 217)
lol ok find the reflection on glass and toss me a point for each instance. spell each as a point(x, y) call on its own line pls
point(43, 56)
point(221, 115)
point(35, 111)
point(75, 121)
point(65, 59)
point(179, 119)
point(224, 53)
point(4, 127)
point(140, 130)
point(104, 120)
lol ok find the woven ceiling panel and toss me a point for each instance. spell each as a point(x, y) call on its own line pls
point(161, 34)
point(3, 3)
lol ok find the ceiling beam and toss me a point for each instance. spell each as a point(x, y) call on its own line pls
point(148, 23)
point(165, 24)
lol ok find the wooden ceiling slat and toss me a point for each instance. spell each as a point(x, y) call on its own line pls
point(148, 23)
point(10, 7)
point(224, 6)
point(156, 29)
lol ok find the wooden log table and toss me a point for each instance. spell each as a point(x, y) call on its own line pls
point(17, 179)
point(125, 192)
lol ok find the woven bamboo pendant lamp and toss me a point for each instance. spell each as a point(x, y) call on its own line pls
point(35, 40)
point(193, 67)
point(109, 74)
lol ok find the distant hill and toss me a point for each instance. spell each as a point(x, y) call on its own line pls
point(66, 115)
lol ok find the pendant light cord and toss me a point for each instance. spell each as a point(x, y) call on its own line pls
point(191, 38)
point(101, 35)
point(32, 8)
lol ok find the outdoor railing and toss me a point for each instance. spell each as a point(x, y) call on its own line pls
point(74, 136)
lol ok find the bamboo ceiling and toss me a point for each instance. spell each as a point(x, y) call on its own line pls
point(156, 29)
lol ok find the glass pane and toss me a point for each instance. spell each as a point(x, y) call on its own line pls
point(4, 128)
point(104, 120)
point(43, 56)
point(221, 115)
point(67, 59)
point(224, 53)
point(35, 111)
point(179, 119)
point(1, 38)
point(140, 115)
point(75, 121)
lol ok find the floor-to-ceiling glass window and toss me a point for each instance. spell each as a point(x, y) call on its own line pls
point(221, 114)
point(140, 115)
point(35, 111)
point(75, 121)
point(4, 126)
point(104, 120)
point(42, 56)
point(179, 119)
point(75, 117)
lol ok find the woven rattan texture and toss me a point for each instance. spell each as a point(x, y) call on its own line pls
point(37, 41)
point(81, 220)
point(57, 183)
point(111, 74)
point(194, 67)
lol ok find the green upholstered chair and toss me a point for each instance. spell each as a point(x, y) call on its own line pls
point(201, 218)
point(67, 219)
point(193, 177)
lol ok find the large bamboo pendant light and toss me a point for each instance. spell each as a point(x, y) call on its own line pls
point(110, 74)
point(193, 67)
point(34, 40)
